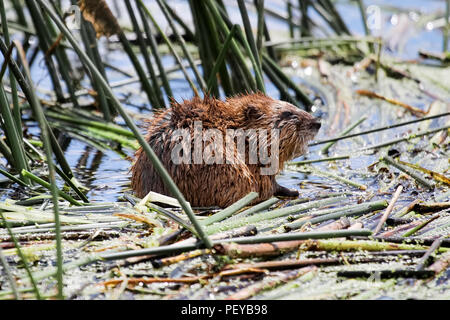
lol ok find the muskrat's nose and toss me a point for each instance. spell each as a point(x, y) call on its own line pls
point(315, 125)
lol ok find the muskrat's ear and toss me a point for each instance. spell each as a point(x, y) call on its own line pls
point(252, 112)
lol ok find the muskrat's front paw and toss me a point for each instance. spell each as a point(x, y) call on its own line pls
point(285, 192)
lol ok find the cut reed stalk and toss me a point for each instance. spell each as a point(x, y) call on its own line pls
point(268, 215)
point(303, 162)
point(343, 133)
point(379, 129)
point(348, 211)
point(13, 178)
point(420, 226)
point(436, 244)
point(169, 214)
point(225, 213)
point(408, 171)
point(407, 138)
point(389, 209)
point(327, 174)
point(256, 208)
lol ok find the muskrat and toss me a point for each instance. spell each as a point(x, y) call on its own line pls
point(209, 182)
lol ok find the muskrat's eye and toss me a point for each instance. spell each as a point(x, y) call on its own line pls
point(286, 115)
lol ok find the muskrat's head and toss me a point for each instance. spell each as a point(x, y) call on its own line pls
point(297, 128)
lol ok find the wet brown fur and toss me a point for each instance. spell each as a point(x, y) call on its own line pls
point(220, 185)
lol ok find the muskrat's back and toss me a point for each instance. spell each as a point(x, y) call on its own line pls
point(208, 182)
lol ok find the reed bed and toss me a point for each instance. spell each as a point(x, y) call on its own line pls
point(374, 224)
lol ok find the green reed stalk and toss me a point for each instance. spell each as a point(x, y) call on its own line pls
point(318, 43)
point(299, 93)
point(240, 80)
point(409, 137)
point(257, 68)
point(331, 8)
point(140, 71)
point(235, 49)
point(22, 257)
point(6, 151)
point(169, 214)
point(108, 127)
point(90, 44)
point(212, 81)
point(169, 44)
point(15, 99)
point(64, 65)
point(260, 31)
point(180, 21)
point(44, 44)
point(336, 177)
point(293, 236)
point(206, 39)
point(11, 131)
point(155, 52)
point(304, 23)
point(362, 11)
point(180, 39)
point(420, 226)
point(209, 42)
point(24, 80)
point(291, 25)
point(71, 185)
point(279, 84)
point(249, 33)
point(145, 54)
point(146, 147)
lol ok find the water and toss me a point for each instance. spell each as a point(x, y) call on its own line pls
point(107, 173)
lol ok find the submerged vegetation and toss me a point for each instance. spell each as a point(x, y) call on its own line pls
point(373, 216)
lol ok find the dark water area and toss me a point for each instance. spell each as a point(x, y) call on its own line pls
point(106, 173)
